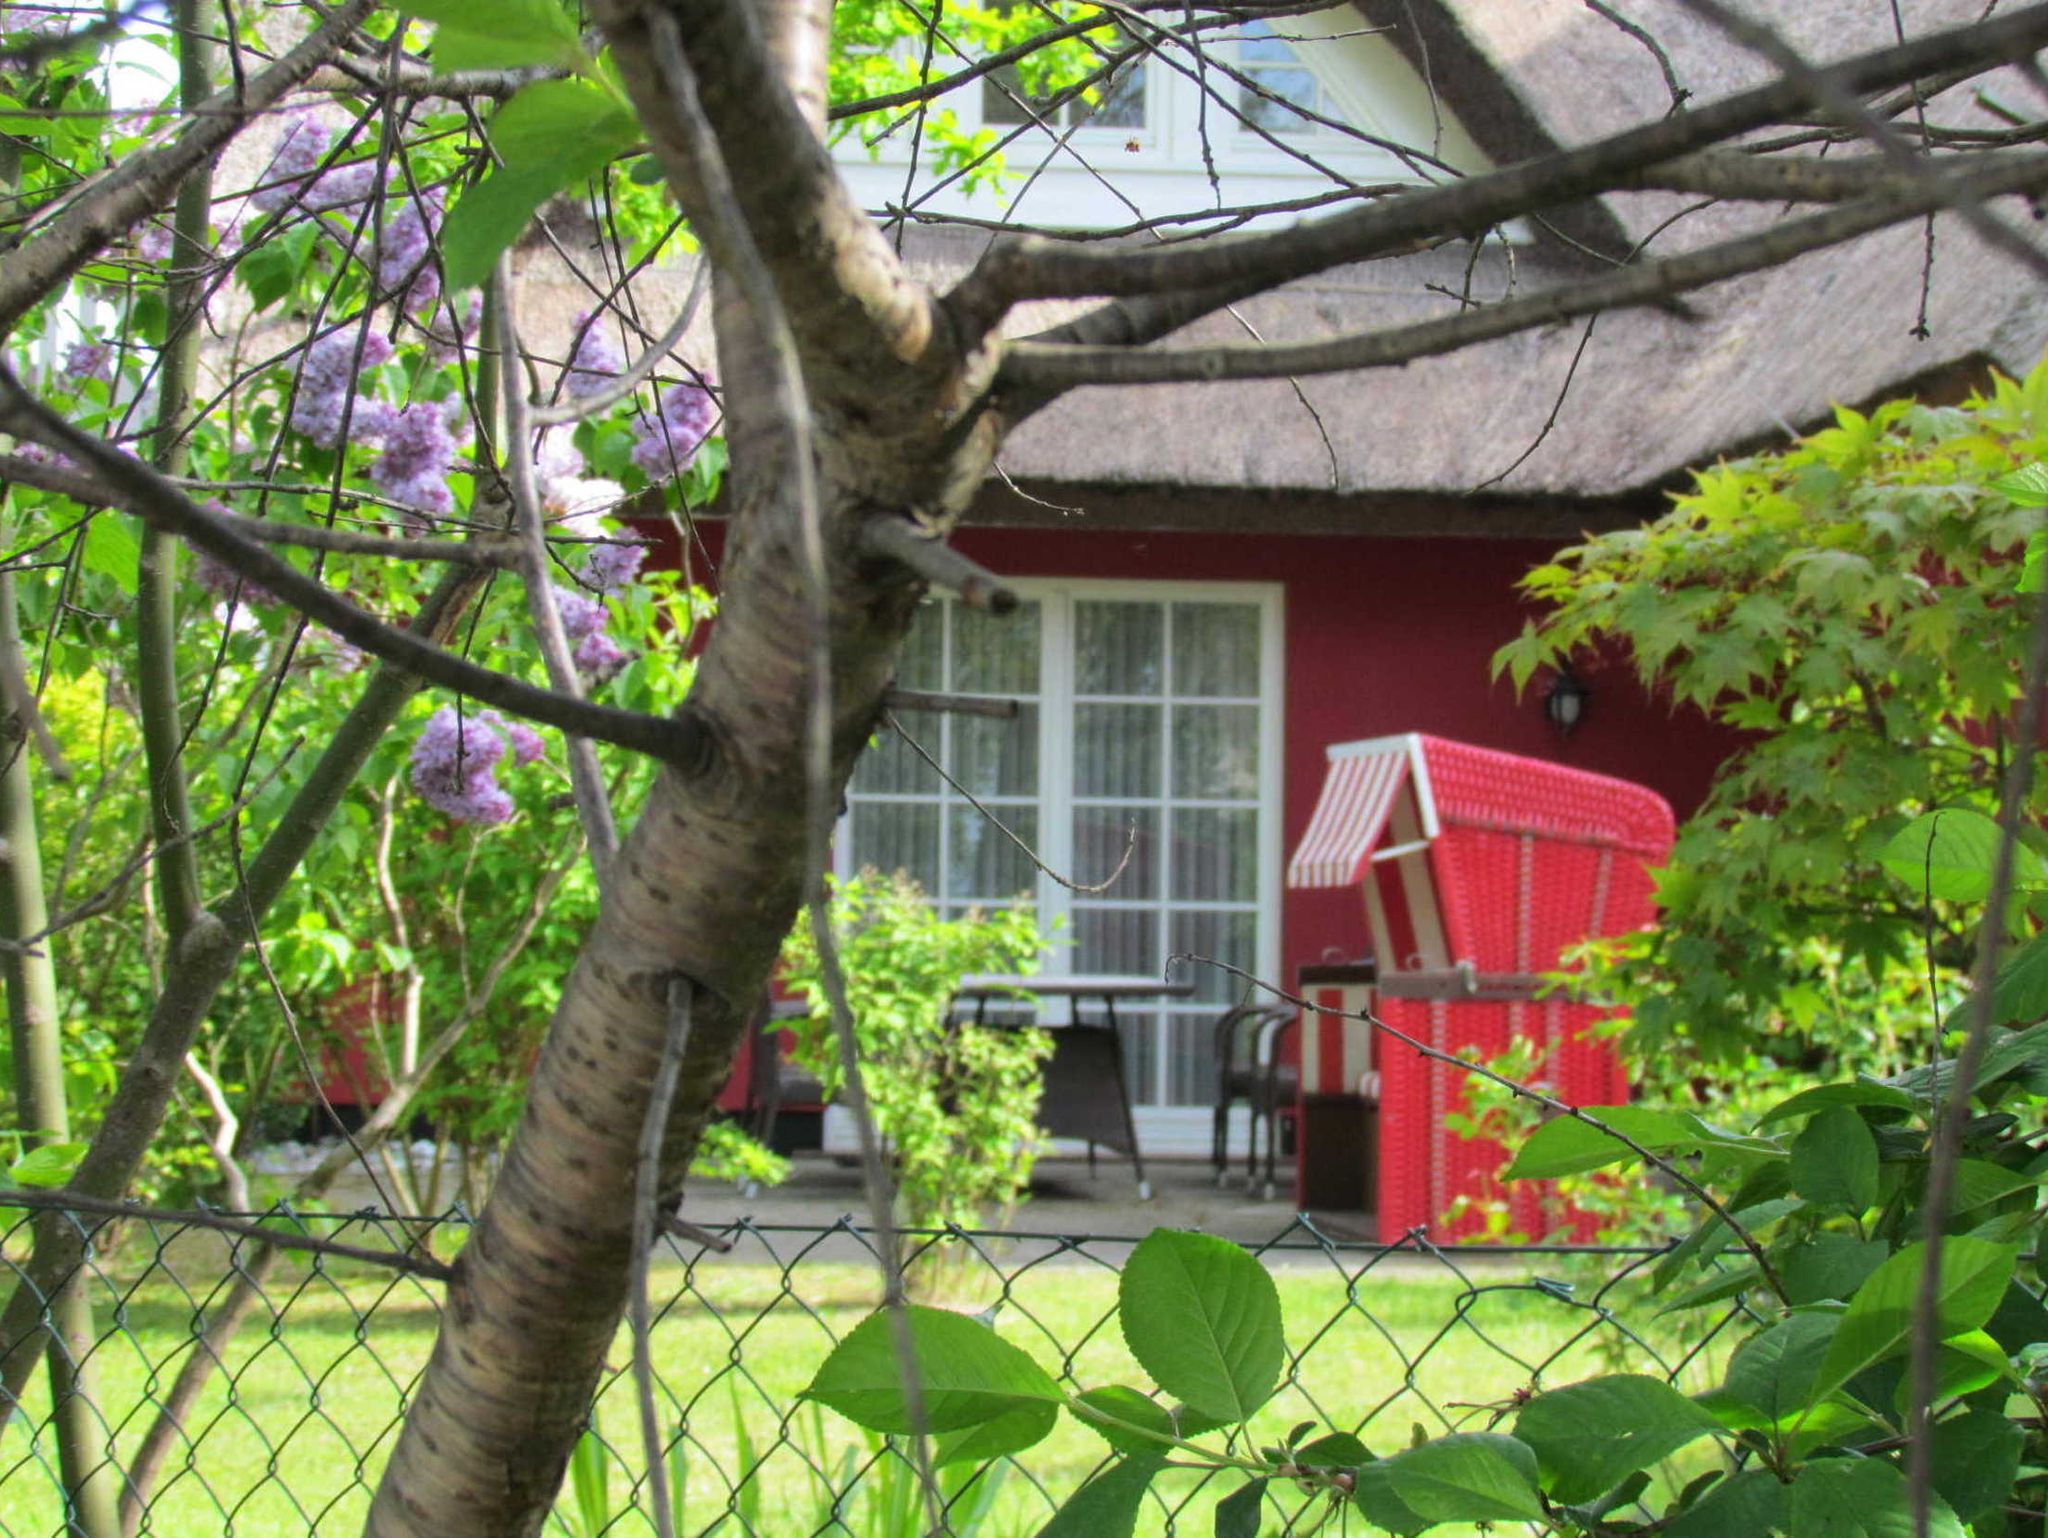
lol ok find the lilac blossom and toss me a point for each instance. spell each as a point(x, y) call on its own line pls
point(671, 440)
point(299, 152)
point(448, 334)
point(582, 616)
point(419, 451)
point(345, 186)
point(405, 252)
point(611, 567)
point(598, 656)
point(596, 362)
point(89, 360)
point(153, 243)
point(326, 382)
point(454, 768)
point(526, 742)
point(227, 584)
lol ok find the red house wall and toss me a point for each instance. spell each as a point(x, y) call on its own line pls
point(1386, 636)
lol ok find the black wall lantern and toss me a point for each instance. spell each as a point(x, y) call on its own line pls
point(1565, 704)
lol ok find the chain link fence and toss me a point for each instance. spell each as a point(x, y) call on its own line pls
point(307, 1362)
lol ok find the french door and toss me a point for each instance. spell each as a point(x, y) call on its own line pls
point(1149, 736)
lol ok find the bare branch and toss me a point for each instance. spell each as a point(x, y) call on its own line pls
point(926, 552)
point(1045, 369)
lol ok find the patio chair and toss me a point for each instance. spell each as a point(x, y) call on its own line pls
point(1248, 1068)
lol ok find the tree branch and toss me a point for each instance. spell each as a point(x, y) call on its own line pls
point(1041, 370)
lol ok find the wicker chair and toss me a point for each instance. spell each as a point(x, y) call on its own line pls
point(1248, 1068)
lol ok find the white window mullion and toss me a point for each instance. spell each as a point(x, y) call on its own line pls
point(1056, 773)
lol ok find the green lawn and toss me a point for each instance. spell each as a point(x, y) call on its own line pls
point(289, 1439)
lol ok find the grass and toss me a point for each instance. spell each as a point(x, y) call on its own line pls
point(290, 1438)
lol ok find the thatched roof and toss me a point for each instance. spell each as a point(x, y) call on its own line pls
point(1655, 391)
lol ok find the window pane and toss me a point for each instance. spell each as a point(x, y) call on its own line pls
point(982, 865)
point(1191, 1061)
point(1226, 937)
point(1259, 45)
point(1101, 834)
point(893, 765)
point(1215, 855)
point(1116, 750)
point(893, 836)
point(1117, 647)
point(1140, 1033)
point(1122, 942)
point(1216, 751)
point(1003, 97)
point(995, 654)
point(1216, 649)
point(1297, 86)
point(996, 758)
point(1121, 103)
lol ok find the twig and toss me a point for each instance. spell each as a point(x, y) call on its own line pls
point(1130, 835)
point(67, 1201)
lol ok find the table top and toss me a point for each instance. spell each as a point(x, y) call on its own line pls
point(1093, 986)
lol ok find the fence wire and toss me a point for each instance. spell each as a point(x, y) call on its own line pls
point(302, 1405)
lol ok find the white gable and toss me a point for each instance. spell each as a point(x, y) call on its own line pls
point(1152, 161)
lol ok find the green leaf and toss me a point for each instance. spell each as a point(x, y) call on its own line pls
point(1823, 1096)
point(1976, 1459)
point(1373, 1494)
point(501, 34)
point(968, 1374)
point(1974, 1273)
point(112, 550)
point(1337, 1450)
point(1203, 1318)
point(1979, 1182)
point(1834, 1162)
point(1238, 1513)
point(1830, 1265)
point(50, 1165)
point(1106, 1506)
point(1963, 1364)
point(1466, 1477)
point(488, 218)
point(1591, 1434)
point(2024, 487)
point(1949, 854)
point(1568, 1146)
point(1772, 1373)
point(1860, 1498)
point(1010, 1432)
point(2019, 996)
point(1747, 1504)
point(2034, 564)
point(556, 122)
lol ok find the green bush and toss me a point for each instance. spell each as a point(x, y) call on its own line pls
point(955, 1104)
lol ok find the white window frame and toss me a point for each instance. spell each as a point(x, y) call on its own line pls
point(1163, 1129)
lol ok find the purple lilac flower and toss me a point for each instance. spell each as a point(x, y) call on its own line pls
point(598, 656)
point(326, 381)
point(405, 255)
point(153, 243)
point(582, 616)
point(299, 151)
point(611, 567)
point(454, 768)
point(89, 360)
point(526, 742)
point(596, 362)
point(346, 186)
point(227, 584)
point(419, 451)
point(671, 441)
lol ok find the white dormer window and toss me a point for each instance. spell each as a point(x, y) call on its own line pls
point(1276, 84)
point(1260, 119)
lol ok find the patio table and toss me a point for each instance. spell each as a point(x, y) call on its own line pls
point(1085, 1096)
